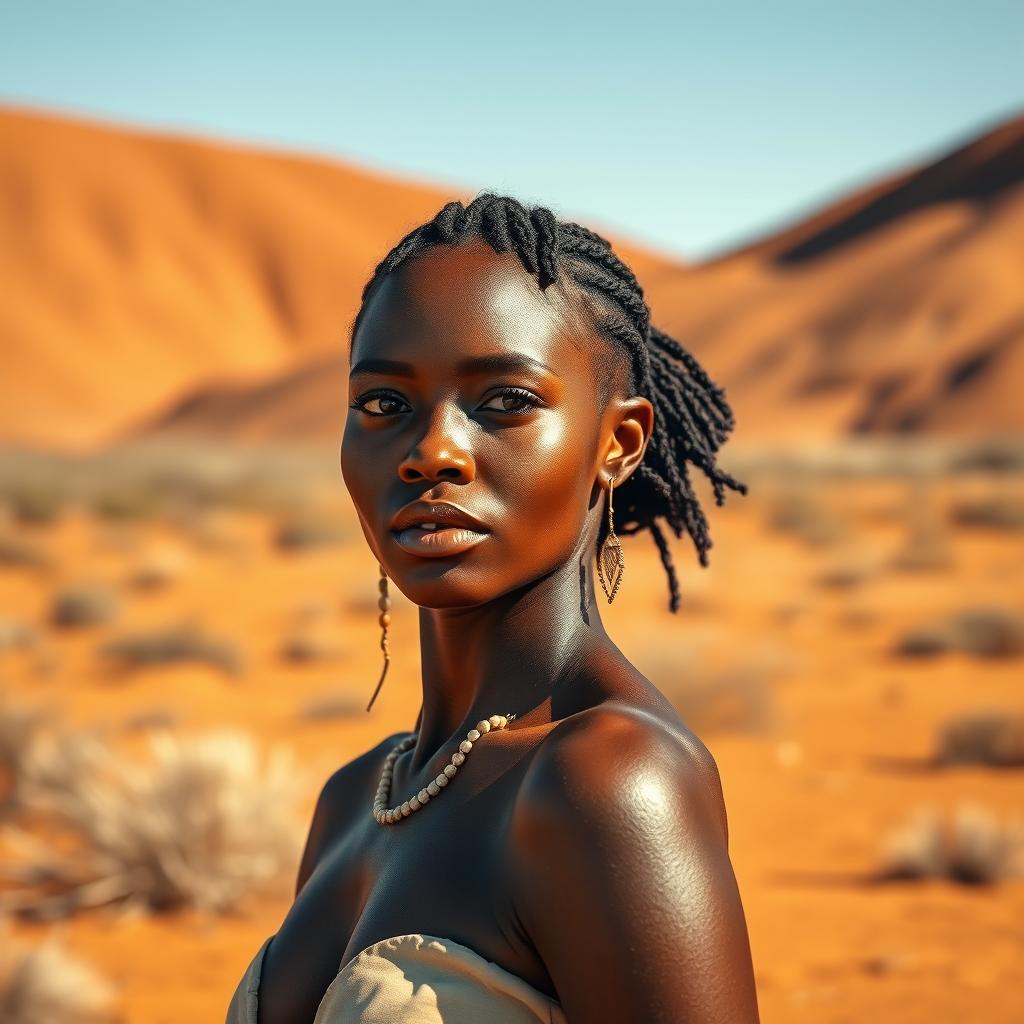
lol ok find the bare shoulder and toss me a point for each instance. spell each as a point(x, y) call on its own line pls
point(335, 803)
point(619, 855)
point(619, 757)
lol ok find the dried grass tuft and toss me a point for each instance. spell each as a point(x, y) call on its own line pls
point(990, 737)
point(45, 984)
point(83, 604)
point(974, 848)
point(202, 822)
point(167, 645)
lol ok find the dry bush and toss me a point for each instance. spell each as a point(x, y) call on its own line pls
point(307, 645)
point(328, 706)
point(799, 510)
point(995, 455)
point(975, 848)
point(18, 553)
point(20, 728)
point(991, 737)
point(157, 568)
point(1000, 512)
point(202, 822)
point(166, 645)
point(984, 631)
point(45, 984)
point(16, 635)
point(35, 502)
point(304, 531)
point(83, 604)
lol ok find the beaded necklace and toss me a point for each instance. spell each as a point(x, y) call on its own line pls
point(389, 816)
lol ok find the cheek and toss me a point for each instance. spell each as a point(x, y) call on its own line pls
point(546, 486)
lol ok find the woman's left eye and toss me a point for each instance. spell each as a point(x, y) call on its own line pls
point(521, 399)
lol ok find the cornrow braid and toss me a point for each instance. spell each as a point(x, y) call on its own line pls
point(692, 417)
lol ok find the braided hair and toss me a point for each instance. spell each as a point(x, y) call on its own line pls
point(692, 417)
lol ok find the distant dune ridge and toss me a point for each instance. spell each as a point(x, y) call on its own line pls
point(164, 286)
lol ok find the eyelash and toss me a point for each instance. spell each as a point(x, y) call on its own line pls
point(522, 393)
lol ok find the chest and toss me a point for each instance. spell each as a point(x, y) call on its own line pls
point(442, 871)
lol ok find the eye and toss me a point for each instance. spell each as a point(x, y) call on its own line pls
point(385, 403)
point(521, 400)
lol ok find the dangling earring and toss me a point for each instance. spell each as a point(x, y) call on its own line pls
point(611, 562)
point(384, 603)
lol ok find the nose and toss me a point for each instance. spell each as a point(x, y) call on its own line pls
point(442, 453)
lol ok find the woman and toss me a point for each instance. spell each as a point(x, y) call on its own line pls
point(550, 842)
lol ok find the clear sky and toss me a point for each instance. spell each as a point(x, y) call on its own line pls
point(690, 126)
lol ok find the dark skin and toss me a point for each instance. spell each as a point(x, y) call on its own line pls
point(585, 848)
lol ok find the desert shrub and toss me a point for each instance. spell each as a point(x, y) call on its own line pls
point(35, 503)
point(125, 502)
point(846, 573)
point(301, 532)
point(152, 718)
point(990, 455)
point(331, 705)
point(989, 737)
point(306, 645)
point(16, 635)
point(203, 822)
point(1001, 512)
point(19, 553)
point(167, 645)
point(799, 510)
point(158, 568)
point(984, 631)
point(45, 984)
point(975, 848)
point(20, 727)
point(990, 632)
point(926, 548)
point(83, 604)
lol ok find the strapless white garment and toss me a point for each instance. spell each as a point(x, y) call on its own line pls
point(413, 979)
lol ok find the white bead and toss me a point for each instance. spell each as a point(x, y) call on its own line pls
point(495, 720)
point(423, 795)
point(483, 726)
point(432, 787)
point(466, 746)
point(450, 770)
point(414, 803)
point(458, 757)
point(406, 809)
point(442, 780)
point(473, 735)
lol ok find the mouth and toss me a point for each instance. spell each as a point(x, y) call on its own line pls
point(437, 540)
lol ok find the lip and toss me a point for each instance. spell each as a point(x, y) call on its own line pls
point(440, 543)
point(441, 512)
point(457, 531)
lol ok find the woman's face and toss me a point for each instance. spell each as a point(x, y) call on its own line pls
point(469, 385)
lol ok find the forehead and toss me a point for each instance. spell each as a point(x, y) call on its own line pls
point(450, 301)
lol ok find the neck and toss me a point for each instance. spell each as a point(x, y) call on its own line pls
point(506, 657)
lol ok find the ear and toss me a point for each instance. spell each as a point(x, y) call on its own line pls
point(630, 423)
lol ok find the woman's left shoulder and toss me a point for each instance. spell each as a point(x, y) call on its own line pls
point(620, 756)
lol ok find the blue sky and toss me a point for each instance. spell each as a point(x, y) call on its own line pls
point(689, 126)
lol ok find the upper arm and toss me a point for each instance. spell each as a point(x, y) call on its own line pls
point(622, 877)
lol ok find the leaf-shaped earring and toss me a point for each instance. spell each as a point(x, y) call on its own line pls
point(611, 562)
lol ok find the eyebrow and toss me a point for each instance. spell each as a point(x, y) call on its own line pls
point(497, 362)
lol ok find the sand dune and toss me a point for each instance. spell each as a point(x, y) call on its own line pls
point(899, 309)
point(138, 268)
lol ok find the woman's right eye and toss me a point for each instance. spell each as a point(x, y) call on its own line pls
point(385, 404)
